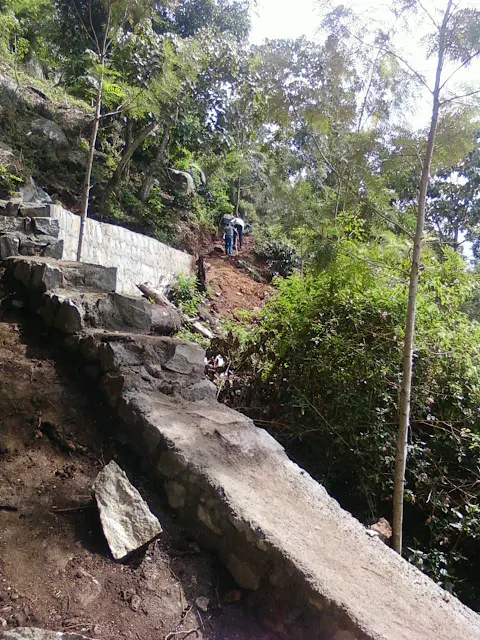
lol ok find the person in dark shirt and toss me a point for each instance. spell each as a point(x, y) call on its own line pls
point(228, 237)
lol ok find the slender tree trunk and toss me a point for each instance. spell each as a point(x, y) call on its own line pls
point(88, 172)
point(405, 389)
point(128, 142)
point(126, 156)
point(102, 48)
point(149, 179)
point(237, 200)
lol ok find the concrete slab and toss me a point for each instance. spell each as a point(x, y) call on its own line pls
point(361, 581)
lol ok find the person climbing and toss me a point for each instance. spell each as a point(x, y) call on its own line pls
point(226, 219)
point(228, 237)
point(239, 225)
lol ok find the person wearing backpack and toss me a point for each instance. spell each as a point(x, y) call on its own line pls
point(228, 237)
point(239, 226)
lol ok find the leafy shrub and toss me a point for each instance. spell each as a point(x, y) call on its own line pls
point(193, 336)
point(326, 362)
point(247, 211)
point(152, 218)
point(186, 295)
point(9, 182)
point(280, 256)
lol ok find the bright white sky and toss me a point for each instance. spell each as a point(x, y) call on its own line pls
point(284, 19)
point(293, 18)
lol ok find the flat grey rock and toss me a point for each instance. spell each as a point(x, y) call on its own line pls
point(31, 633)
point(46, 227)
point(8, 246)
point(203, 390)
point(127, 522)
point(119, 312)
point(34, 210)
point(186, 359)
point(11, 224)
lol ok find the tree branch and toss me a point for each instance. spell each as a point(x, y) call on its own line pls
point(93, 28)
point(72, 2)
point(459, 97)
point(464, 64)
point(425, 10)
point(395, 55)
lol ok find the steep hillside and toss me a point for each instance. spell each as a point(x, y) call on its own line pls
point(55, 568)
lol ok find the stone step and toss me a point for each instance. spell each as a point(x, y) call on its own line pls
point(35, 236)
point(43, 273)
point(78, 296)
point(30, 226)
point(315, 568)
point(144, 362)
point(16, 207)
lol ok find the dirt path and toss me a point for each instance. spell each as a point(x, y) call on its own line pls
point(237, 282)
point(55, 568)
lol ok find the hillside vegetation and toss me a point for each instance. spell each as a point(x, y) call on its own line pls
point(313, 143)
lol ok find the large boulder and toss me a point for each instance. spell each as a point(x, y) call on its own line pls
point(45, 276)
point(203, 390)
point(46, 227)
point(182, 183)
point(121, 312)
point(77, 158)
point(46, 246)
point(165, 320)
point(8, 246)
point(94, 277)
point(50, 130)
point(127, 522)
point(187, 359)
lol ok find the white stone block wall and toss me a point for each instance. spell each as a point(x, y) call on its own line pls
point(137, 258)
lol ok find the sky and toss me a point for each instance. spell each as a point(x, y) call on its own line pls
point(284, 19)
point(293, 18)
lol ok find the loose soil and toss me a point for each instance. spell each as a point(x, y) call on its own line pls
point(55, 568)
point(236, 282)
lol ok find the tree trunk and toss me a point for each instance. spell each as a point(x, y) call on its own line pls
point(88, 171)
point(201, 275)
point(405, 389)
point(237, 201)
point(126, 156)
point(128, 142)
point(102, 53)
point(149, 179)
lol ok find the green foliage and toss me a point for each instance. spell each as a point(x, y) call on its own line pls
point(193, 336)
point(186, 295)
point(9, 182)
point(327, 361)
point(306, 136)
point(25, 29)
point(280, 256)
point(125, 208)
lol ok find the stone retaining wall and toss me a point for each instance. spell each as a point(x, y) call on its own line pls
point(315, 572)
point(137, 258)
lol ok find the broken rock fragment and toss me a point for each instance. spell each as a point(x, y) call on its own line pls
point(127, 522)
point(30, 633)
